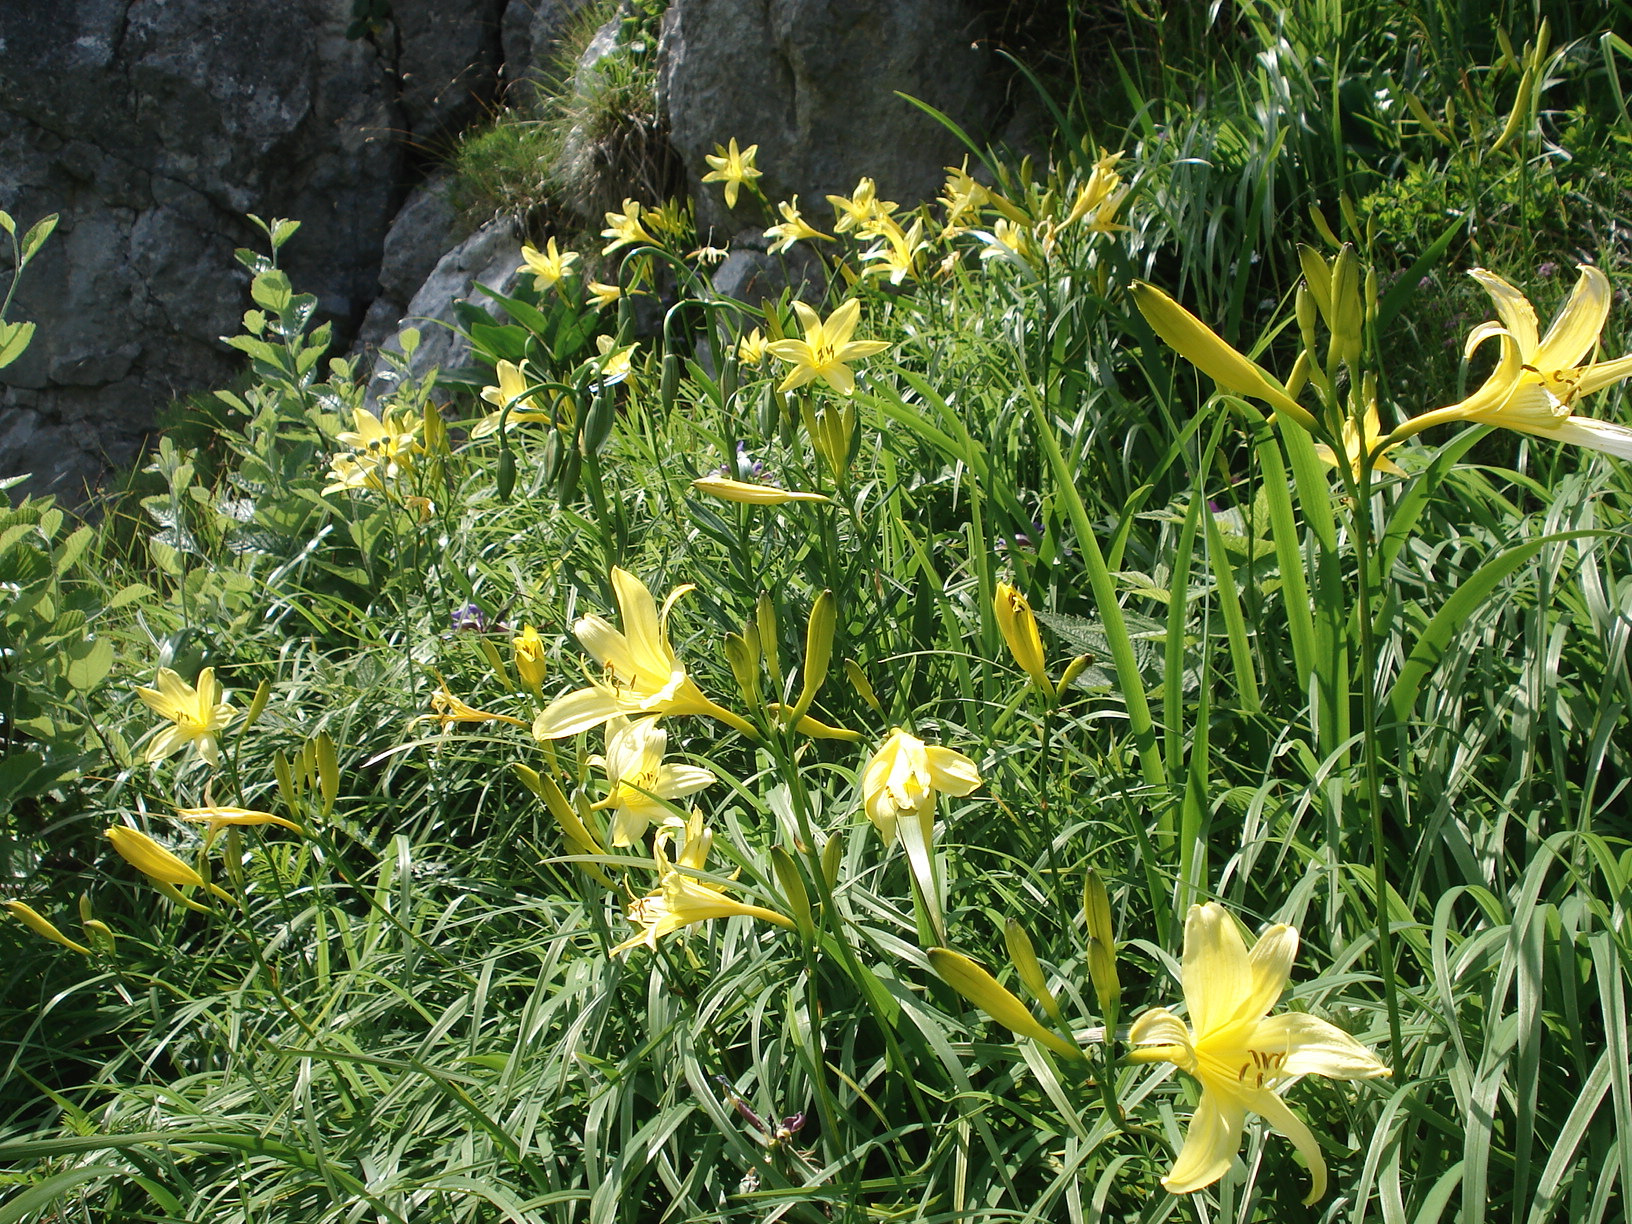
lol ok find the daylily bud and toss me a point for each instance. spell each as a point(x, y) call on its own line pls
point(286, 780)
point(1096, 908)
point(100, 934)
point(1019, 629)
point(529, 654)
point(30, 918)
point(988, 994)
point(832, 859)
point(598, 423)
point(669, 381)
point(257, 705)
point(863, 686)
point(819, 632)
point(1207, 351)
point(434, 430)
point(579, 839)
point(793, 889)
point(1074, 669)
point(505, 481)
point(728, 379)
point(155, 862)
point(744, 661)
point(1024, 959)
point(765, 617)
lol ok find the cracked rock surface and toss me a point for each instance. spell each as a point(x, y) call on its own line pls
point(152, 127)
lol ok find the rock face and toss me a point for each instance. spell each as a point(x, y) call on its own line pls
point(813, 83)
point(152, 127)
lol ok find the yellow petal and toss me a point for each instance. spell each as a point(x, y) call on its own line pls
point(578, 711)
point(1210, 1145)
point(1216, 973)
point(1513, 308)
point(1576, 329)
point(949, 771)
point(1314, 1047)
point(1270, 963)
point(1275, 1111)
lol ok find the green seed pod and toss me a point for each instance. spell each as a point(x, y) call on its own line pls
point(598, 424)
point(671, 381)
point(506, 483)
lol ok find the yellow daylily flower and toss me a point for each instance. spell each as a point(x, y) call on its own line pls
point(1239, 1053)
point(640, 779)
point(1100, 197)
point(157, 863)
point(529, 652)
point(43, 927)
point(897, 254)
point(512, 383)
point(826, 348)
point(1537, 381)
point(751, 349)
point(383, 448)
point(962, 195)
point(602, 295)
point(615, 364)
point(1205, 349)
point(549, 266)
point(731, 167)
point(904, 775)
point(750, 494)
point(640, 671)
point(860, 209)
point(218, 818)
point(680, 900)
point(446, 709)
point(1019, 628)
point(625, 229)
point(793, 228)
point(1360, 437)
point(198, 714)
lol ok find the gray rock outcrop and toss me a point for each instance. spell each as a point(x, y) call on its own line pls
point(152, 127)
point(813, 83)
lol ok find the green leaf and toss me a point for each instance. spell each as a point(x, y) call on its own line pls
point(14, 338)
point(271, 290)
point(89, 662)
point(36, 236)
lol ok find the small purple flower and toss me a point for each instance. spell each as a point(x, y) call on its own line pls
point(745, 468)
point(470, 617)
point(1547, 269)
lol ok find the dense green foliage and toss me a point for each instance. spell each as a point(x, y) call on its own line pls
point(1389, 710)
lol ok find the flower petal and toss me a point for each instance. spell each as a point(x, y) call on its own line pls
point(1271, 964)
point(1601, 374)
point(950, 771)
point(1215, 1135)
point(1275, 1111)
point(1606, 436)
point(841, 323)
point(579, 711)
point(1158, 1026)
point(1314, 1047)
point(1576, 329)
point(1216, 972)
point(1514, 309)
